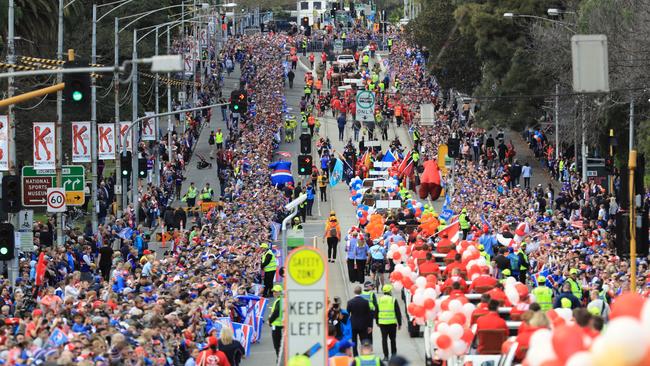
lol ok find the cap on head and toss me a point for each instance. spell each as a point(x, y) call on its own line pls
point(541, 279)
point(573, 271)
point(332, 213)
point(481, 247)
point(464, 210)
point(299, 360)
point(387, 288)
point(264, 245)
point(368, 285)
point(506, 272)
point(343, 345)
point(277, 288)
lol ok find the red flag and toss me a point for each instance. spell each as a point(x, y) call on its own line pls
point(405, 168)
point(41, 265)
point(452, 231)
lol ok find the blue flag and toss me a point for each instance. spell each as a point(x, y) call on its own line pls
point(389, 157)
point(57, 338)
point(337, 173)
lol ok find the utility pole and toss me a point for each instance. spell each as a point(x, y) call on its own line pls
point(59, 125)
point(134, 116)
point(93, 127)
point(631, 142)
point(157, 166)
point(13, 218)
point(170, 127)
point(557, 121)
point(584, 141)
point(118, 163)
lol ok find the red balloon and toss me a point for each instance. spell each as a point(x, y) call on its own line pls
point(397, 256)
point(429, 303)
point(443, 341)
point(552, 363)
point(411, 308)
point(458, 318)
point(628, 304)
point(445, 304)
point(567, 340)
point(522, 290)
point(396, 276)
point(407, 282)
point(468, 336)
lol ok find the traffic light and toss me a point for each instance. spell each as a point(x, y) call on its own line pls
point(76, 93)
point(305, 143)
point(125, 162)
point(7, 243)
point(453, 145)
point(11, 193)
point(238, 101)
point(305, 22)
point(304, 164)
point(142, 167)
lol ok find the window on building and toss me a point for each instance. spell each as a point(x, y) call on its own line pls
point(317, 5)
point(304, 5)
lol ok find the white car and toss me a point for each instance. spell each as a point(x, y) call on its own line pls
point(345, 59)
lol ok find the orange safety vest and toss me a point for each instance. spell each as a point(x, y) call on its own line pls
point(318, 84)
point(398, 110)
point(311, 120)
point(340, 361)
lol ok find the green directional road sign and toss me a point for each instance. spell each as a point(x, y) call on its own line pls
point(36, 183)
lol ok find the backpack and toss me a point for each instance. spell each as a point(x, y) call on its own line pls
point(333, 231)
point(211, 140)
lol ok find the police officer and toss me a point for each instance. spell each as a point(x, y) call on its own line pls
point(207, 193)
point(523, 263)
point(218, 139)
point(190, 196)
point(576, 289)
point(390, 44)
point(304, 47)
point(543, 294)
point(464, 223)
point(367, 357)
point(389, 319)
point(269, 265)
point(276, 319)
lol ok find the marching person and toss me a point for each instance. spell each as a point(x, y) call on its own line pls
point(389, 319)
point(367, 357)
point(332, 236)
point(190, 196)
point(276, 319)
point(360, 317)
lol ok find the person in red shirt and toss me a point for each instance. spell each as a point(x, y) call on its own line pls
point(444, 245)
point(429, 266)
point(499, 295)
point(490, 321)
point(456, 264)
point(481, 308)
point(451, 280)
point(211, 356)
point(484, 281)
point(457, 291)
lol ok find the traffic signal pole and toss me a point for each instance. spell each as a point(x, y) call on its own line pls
point(59, 123)
point(12, 269)
point(93, 127)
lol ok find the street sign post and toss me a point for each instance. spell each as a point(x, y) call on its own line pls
point(306, 306)
point(55, 200)
point(365, 106)
point(25, 233)
point(36, 182)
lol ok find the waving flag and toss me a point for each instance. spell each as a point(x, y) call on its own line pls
point(405, 168)
point(452, 231)
point(57, 338)
point(281, 173)
point(337, 173)
point(389, 157)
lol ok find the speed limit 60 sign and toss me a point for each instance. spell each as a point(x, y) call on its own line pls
point(56, 200)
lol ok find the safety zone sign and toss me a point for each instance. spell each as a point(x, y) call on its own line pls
point(365, 106)
point(306, 305)
point(55, 200)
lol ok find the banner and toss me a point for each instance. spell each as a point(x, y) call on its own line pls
point(4, 143)
point(243, 334)
point(149, 127)
point(124, 125)
point(106, 141)
point(81, 142)
point(44, 148)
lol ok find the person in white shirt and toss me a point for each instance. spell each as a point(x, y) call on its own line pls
point(526, 173)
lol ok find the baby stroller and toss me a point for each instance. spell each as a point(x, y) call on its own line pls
point(202, 163)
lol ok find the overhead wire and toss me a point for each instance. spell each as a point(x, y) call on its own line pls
point(34, 106)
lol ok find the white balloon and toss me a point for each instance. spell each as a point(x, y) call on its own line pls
point(443, 328)
point(627, 336)
point(455, 306)
point(430, 293)
point(565, 314)
point(397, 285)
point(389, 253)
point(468, 309)
point(397, 261)
point(421, 282)
point(402, 250)
point(393, 247)
point(471, 263)
point(444, 354)
point(472, 248)
point(459, 347)
point(510, 281)
point(482, 262)
point(418, 299)
point(434, 337)
point(430, 315)
point(512, 294)
point(438, 307)
point(474, 276)
point(580, 359)
point(420, 321)
point(455, 331)
point(537, 355)
point(413, 276)
point(445, 316)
